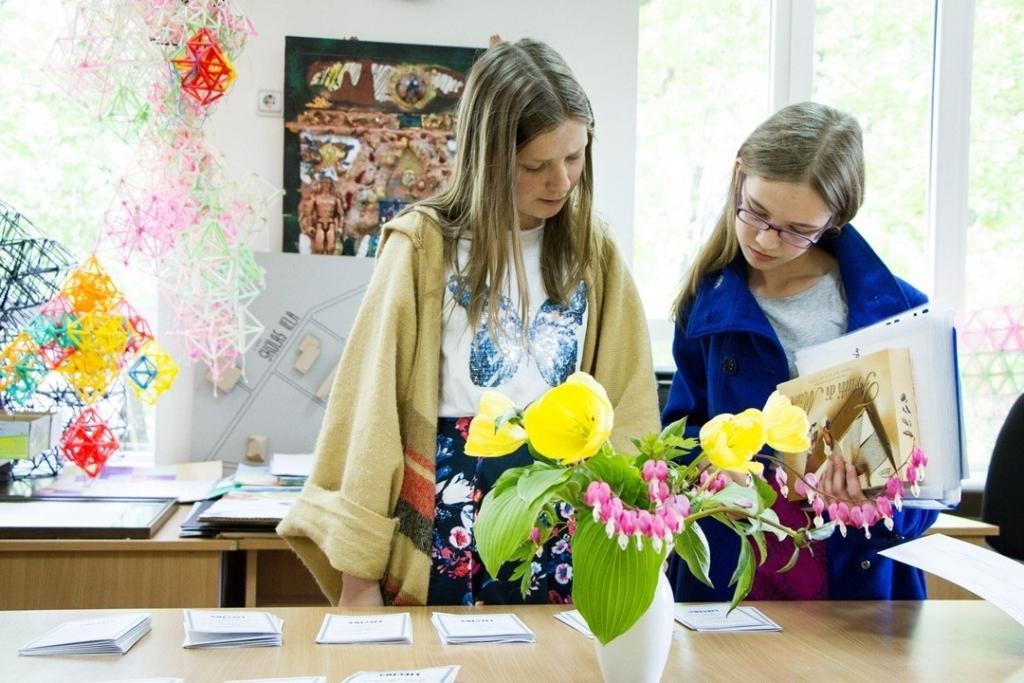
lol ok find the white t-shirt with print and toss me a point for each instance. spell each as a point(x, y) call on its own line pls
point(471, 361)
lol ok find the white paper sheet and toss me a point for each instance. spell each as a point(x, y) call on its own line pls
point(440, 674)
point(717, 617)
point(292, 464)
point(984, 572)
point(370, 628)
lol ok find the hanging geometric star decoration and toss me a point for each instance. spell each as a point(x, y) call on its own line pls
point(31, 269)
point(206, 72)
point(105, 61)
point(153, 70)
point(152, 372)
point(89, 442)
point(90, 336)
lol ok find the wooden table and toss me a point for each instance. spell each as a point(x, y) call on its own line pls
point(168, 571)
point(163, 571)
point(275, 576)
point(821, 641)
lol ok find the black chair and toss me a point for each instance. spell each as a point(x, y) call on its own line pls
point(1000, 503)
point(664, 380)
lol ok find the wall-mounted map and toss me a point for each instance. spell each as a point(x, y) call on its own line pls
point(277, 406)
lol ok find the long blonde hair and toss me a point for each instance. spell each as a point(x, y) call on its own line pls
point(802, 143)
point(514, 93)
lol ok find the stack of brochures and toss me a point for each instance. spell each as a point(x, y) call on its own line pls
point(574, 619)
point(291, 469)
point(218, 628)
point(367, 628)
point(437, 674)
point(110, 635)
point(455, 629)
point(717, 617)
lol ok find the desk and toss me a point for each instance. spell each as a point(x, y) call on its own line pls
point(275, 576)
point(163, 571)
point(820, 641)
point(168, 571)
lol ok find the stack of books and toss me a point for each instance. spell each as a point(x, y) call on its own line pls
point(368, 628)
point(455, 629)
point(112, 635)
point(218, 628)
point(239, 512)
point(292, 469)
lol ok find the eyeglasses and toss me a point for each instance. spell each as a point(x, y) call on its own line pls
point(793, 239)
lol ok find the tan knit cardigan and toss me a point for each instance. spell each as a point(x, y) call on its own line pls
point(368, 506)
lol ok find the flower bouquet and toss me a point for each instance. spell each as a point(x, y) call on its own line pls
point(631, 510)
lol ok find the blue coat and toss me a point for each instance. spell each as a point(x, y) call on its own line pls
point(728, 358)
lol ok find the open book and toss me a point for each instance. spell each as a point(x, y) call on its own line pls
point(875, 393)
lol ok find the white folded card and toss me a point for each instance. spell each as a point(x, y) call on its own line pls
point(481, 628)
point(221, 628)
point(110, 635)
point(717, 617)
point(984, 572)
point(368, 628)
point(574, 619)
point(438, 674)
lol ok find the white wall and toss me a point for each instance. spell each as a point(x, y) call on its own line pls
point(598, 38)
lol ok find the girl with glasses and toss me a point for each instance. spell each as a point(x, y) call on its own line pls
point(504, 280)
point(784, 269)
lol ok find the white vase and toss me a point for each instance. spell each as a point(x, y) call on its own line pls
point(639, 655)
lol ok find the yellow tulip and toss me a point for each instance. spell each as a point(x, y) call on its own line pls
point(570, 422)
point(786, 424)
point(487, 441)
point(730, 442)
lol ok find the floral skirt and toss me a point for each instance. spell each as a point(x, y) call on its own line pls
point(457, 575)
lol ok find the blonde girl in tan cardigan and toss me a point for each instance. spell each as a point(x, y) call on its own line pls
point(504, 280)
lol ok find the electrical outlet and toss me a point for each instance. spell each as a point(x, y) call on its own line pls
point(270, 102)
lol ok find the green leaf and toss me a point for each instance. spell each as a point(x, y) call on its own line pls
point(509, 478)
point(792, 560)
point(772, 516)
point(677, 428)
point(611, 587)
point(538, 480)
point(692, 545)
point(765, 491)
point(733, 494)
point(512, 415)
point(622, 476)
point(821, 533)
point(762, 547)
point(504, 522)
point(743, 577)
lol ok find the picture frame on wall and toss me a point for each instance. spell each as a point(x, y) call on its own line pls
point(369, 128)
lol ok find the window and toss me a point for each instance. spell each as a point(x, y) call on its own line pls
point(702, 87)
point(991, 325)
point(873, 59)
point(65, 167)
